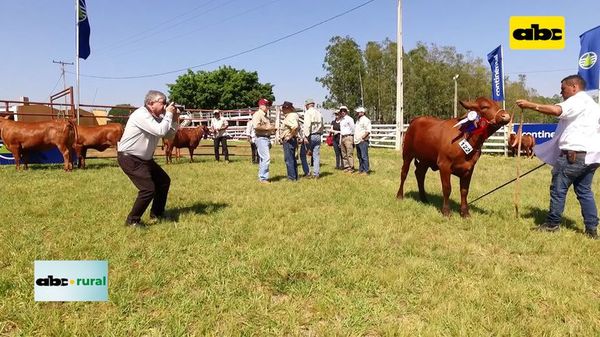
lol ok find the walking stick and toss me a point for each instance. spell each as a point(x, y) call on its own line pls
point(518, 184)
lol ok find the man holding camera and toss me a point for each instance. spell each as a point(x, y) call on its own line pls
point(145, 127)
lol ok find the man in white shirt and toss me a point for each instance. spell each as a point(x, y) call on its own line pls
point(312, 130)
point(569, 152)
point(218, 126)
point(362, 131)
point(347, 140)
point(251, 134)
point(144, 128)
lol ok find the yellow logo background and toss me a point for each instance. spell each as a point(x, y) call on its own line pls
point(537, 32)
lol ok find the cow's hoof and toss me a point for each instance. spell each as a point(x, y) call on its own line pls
point(399, 196)
point(465, 214)
point(446, 212)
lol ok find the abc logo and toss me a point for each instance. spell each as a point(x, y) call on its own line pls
point(537, 32)
point(51, 281)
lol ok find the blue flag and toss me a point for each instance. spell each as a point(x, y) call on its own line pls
point(589, 68)
point(84, 31)
point(495, 59)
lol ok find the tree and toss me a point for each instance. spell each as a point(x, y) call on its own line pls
point(428, 84)
point(343, 63)
point(225, 88)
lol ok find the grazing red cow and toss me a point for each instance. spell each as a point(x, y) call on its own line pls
point(438, 144)
point(21, 137)
point(185, 137)
point(98, 138)
point(527, 144)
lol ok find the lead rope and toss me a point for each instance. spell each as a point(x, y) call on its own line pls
point(506, 183)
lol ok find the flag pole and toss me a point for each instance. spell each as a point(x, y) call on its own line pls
point(504, 103)
point(399, 79)
point(77, 60)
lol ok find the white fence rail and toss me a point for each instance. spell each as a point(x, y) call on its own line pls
point(384, 136)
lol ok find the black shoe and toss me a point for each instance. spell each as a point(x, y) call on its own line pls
point(547, 228)
point(135, 224)
point(591, 233)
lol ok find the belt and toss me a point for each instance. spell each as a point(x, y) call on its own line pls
point(261, 136)
point(567, 152)
point(132, 156)
point(316, 134)
point(347, 135)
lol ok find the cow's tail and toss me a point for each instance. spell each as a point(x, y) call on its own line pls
point(73, 125)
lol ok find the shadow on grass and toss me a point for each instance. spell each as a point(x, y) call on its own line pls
point(198, 208)
point(539, 217)
point(438, 200)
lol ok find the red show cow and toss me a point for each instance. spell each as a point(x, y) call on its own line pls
point(185, 138)
point(527, 144)
point(98, 138)
point(21, 137)
point(440, 145)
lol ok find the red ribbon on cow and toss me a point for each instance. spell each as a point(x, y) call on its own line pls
point(481, 127)
point(483, 124)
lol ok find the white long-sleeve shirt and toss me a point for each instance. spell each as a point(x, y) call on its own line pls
point(143, 131)
point(347, 126)
point(361, 129)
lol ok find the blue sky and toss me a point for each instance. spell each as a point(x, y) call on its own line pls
point(139, 37)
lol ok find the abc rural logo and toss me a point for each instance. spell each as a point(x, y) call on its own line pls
point(537, 32)
point(51, 281)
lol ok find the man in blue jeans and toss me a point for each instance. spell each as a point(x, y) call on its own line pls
point(573, 151)
point(264, 130)
point(288, 139)
point(312, 129)
point(362, 131)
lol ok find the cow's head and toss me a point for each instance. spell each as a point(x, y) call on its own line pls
point(489, 110)
point(205, 131)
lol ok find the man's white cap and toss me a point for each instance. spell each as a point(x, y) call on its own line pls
point(360, 109)
point(343, 107)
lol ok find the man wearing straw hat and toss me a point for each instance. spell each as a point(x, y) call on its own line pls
point(312, 130)
point(264, 130)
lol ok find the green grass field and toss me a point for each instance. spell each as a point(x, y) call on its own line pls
point(335, 257)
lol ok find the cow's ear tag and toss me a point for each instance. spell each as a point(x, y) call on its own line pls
point(465, 146)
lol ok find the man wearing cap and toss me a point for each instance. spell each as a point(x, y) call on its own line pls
point(312, 130)
point(362, 132)
point(288, 139)
point(263, 129)
point(347, 140)
point(218, 126)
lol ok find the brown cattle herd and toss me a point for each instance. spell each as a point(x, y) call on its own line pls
point(73, 141)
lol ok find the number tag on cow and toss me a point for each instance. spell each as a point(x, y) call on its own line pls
point(465, 146)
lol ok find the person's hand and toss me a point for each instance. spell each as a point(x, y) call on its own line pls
point(171, 108)
point(524, 104)
point(305, 141)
